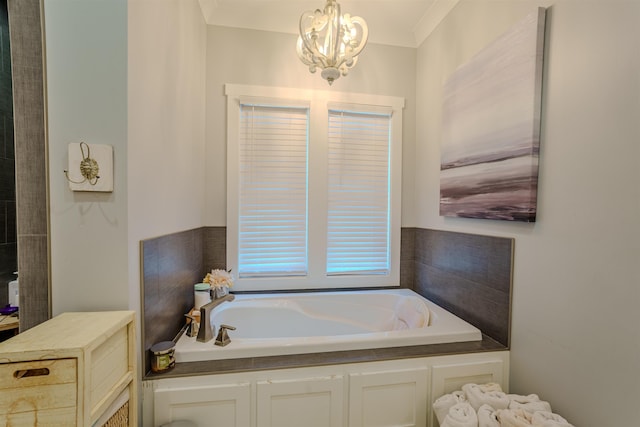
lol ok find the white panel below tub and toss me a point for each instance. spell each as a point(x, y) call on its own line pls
point(226, 405)
point(309, 402)
point(388, 398)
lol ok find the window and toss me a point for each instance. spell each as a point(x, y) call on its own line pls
point(313, 188)
point(272, 228)
point(358, 193)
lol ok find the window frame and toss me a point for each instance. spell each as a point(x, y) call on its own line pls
point(319, 102)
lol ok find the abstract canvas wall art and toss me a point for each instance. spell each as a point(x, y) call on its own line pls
point(491, 128)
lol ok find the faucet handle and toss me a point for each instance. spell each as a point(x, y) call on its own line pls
point(194, 325)
point(223, 337)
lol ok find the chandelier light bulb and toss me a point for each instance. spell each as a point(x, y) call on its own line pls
point(331, 41)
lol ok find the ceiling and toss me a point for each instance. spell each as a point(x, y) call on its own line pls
point(393, 22)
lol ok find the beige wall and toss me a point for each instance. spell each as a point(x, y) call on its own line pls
point(129, 74)
point(267, 58)
point(86, 68)
point(575, 335)
point(166, 94)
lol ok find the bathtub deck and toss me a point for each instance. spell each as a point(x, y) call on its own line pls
point(227, 366)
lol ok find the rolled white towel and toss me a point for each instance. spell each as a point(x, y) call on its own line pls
point(514, 418)
point(548, 419)
point(461, 415)
point(411, 311)
point(399, 325)
point(442, 404)
point(487, 417)
point(530, 403)
point(490, 394)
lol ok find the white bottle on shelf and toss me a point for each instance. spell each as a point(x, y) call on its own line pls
point(14, 293)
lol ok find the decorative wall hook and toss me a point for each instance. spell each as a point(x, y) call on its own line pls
point(90, 167)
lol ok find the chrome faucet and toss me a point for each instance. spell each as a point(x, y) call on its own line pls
point(205, 333)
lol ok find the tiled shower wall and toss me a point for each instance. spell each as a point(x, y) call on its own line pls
point(27, 68)
point(469, 275)
point(8, 233)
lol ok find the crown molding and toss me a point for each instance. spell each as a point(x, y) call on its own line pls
point(432, 18)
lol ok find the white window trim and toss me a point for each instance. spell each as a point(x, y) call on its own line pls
point(319, 102)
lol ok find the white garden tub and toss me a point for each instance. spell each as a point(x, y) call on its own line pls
point(297, 323)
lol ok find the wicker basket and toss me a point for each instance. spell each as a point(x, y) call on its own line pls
point(120, 418)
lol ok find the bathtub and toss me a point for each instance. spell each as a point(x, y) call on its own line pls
point(298, 323)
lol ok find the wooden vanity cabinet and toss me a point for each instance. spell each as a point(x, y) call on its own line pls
point(75, 369)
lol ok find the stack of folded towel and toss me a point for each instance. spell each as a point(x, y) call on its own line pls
point(486, 405)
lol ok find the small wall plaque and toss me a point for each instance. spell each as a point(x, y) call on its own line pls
point(90, 167)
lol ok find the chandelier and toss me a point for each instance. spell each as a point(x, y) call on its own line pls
point(331, 41)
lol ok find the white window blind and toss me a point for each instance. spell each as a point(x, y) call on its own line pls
point(358, 239)
point(272, 228)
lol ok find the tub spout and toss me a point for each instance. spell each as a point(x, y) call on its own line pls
point(205, 333)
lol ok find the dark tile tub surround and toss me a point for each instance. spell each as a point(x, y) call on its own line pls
point(224, 366)
point(171, 265)
point(408, 258)
point(215, 248)
point(469, 275)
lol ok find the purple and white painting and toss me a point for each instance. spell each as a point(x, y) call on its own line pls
point(491, 128)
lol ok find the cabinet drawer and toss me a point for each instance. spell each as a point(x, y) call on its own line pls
point(109, 363)
point(37, 386)
point(63, 417)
